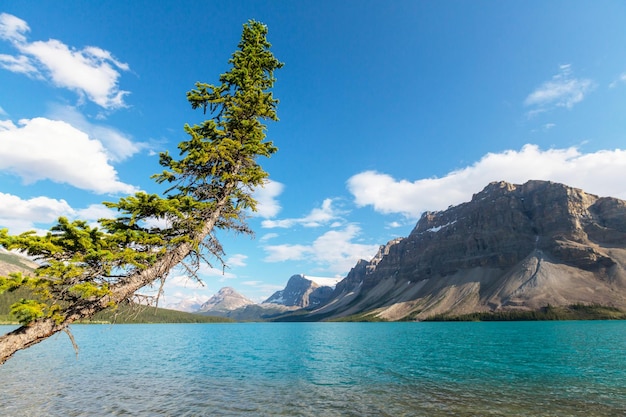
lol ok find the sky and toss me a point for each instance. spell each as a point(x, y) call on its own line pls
point(387, 109)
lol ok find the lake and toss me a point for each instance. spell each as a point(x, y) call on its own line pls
point(323, 369)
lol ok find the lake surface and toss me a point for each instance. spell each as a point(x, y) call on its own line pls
point(323, 369)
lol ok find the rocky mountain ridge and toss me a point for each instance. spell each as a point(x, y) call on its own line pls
point(301, 292)
point(510, 247)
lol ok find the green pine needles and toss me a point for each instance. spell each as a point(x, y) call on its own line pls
point(85, 269)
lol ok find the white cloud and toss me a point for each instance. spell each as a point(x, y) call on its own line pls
point(20, 215)
point(317, 217)
point(325, 281)
point(237, 260)
point(180, 292)
point(335, 250)
point(620, 80)
point(95, 212)
point(118, 145)
point(41, 148)
point(20, 64)
point(183, 300)
point(39, 213)
point(13, 28)
point(92, 72)
point(598, 173)
point(267, 205)
point(268, 236)
point(286, 252)
point(561, 91)
point(322, 215)
point(182, 281)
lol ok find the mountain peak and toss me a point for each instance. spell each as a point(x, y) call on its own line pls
point(300, 292)
point(226, 299)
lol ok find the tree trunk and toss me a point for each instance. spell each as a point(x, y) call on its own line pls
point(35, 332)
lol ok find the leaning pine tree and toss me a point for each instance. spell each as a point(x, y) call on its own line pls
point(87, 269)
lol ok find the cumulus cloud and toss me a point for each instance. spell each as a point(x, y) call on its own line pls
point(95, 212)
point(91, 72)
point(317, 217)
point(39, 213)
point(267, 204)
point(20, 64)
point(336, 251)
point(598, 173)
point(562, 90)
point(13, 28)
point(41, 148)
point(20, 215)
point(118, 145)
point(286, 252)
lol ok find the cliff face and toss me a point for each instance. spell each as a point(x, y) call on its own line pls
point(511, 246)
point(300, 292)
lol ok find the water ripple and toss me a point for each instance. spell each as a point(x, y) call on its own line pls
point(330, 369)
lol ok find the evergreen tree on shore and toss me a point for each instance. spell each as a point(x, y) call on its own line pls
point(86, 269)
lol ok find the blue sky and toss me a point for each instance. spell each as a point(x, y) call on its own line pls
point(387, 109)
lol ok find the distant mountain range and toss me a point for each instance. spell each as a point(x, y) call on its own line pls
point(512, 248)
point(299, 293)
point(125, 313)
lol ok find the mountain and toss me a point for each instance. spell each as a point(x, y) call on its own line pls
point(125, 313)
point(230, 304)
point(256, 312)
point(301, 292)
point(12, 262)
point(511, 248)
point(189, 305)
point(226, 300)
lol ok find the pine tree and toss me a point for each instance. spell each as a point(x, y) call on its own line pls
point(210, 184)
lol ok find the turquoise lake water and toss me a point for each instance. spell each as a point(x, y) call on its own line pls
point(323, 369)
